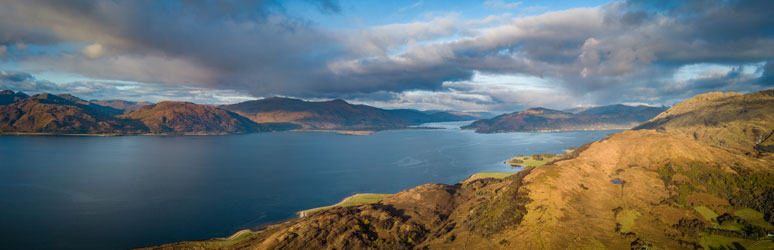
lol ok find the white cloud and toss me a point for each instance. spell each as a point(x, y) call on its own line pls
point(94, 50)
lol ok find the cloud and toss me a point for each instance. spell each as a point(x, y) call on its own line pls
point(3, 51)
point(500, 4)
point(617, 52)
point(417, 4)
point(93, 50)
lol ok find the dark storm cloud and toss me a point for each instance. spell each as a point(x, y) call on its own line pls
point(590, 54)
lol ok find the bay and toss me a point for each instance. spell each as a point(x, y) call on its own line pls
point(63, 192)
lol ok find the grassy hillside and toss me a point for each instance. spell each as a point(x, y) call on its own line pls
point(648, 188)
point(724, 119)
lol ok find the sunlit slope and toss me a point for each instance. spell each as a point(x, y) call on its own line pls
point(724, 119)
point(671, 191)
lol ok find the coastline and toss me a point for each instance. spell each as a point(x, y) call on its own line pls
point(343, 202)
point(341, 132)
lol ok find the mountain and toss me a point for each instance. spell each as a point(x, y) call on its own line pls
point(190, 118)
point(542, 119)
point(68, 114)
point(47, 113)
point(656, 187)
point(8, 97)
point(576, 110)
point(125, 106)
point(105, 110)
point(465, 114)
point(419, 117)
point(334, 114)
point(721, 119)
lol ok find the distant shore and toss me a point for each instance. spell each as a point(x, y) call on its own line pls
point(341, 132)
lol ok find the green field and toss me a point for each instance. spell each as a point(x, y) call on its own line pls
point(531, 162)
point(707, 213)
point(355, 200)
point(754, 217)
point(724, 242)
point(488, 175)
point(627, 218)
point(537, 160)
point(215, 243)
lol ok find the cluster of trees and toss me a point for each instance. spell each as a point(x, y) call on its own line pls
point(540, 157)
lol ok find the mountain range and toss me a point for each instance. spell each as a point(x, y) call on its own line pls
point(541, 119)
point(693, 177)
point(67, 114)
point(336, 114)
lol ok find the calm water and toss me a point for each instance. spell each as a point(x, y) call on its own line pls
point(133, 191)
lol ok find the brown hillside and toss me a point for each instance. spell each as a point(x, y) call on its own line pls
point(671, 191)
point(125, 106)
point(571, 204)
point(46, 113)
point(186, 117)
point(724, 119)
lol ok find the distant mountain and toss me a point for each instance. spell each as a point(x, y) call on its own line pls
point(542, 119)
point(8, 97)
point(334, 115)
point(744, 122)
point(106, 110)
point(578, 109)
point(190, 118)
point(465, 114)
point(68, 114)
point(47, 113)
point(418, 117)
point(125, 106)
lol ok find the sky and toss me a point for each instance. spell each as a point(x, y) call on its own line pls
point(490, 55)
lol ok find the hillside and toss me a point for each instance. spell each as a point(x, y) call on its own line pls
point(723, 119)
point(334, 114)
point(8, 97)
point(542, 119)
point(105, 110)
point(47, 113)
point(639, 189)
point(125, 106)
point(190, 118)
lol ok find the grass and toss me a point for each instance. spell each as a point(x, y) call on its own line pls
point(627, 218)
point(530, 162)
point(725, 242)
point(361, 199)
point(537, 160)
point(754, 217)
point(216, 243)
point(488, 175)
point(355, 200)
point(707, 213)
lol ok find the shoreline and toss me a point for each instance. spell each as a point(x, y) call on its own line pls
point(303, 213)
point(341, 132)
